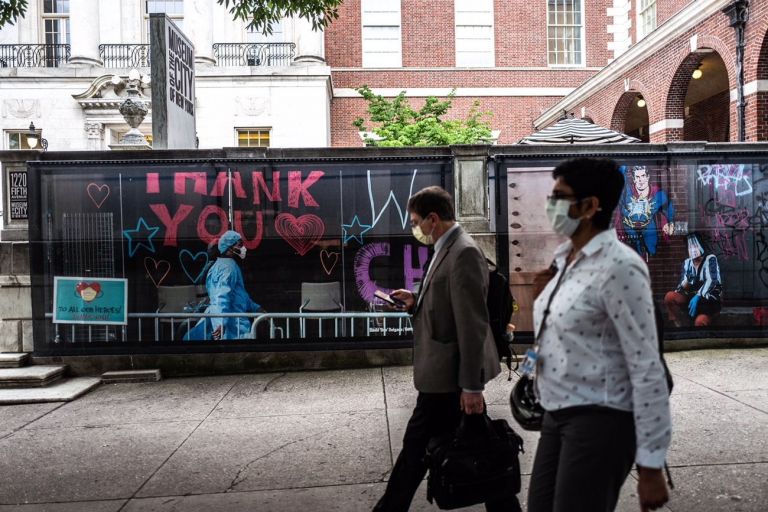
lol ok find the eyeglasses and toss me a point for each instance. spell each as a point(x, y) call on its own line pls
point(560, 197)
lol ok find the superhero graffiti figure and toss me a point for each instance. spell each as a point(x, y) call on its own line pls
point(643, 208)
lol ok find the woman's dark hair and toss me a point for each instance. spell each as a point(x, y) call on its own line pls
point(598, 177)
point(432, 199)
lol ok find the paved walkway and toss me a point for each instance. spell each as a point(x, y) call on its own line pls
point(324, 441)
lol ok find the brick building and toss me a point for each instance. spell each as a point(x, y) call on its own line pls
point(529, 62)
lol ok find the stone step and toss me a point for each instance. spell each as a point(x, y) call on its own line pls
point(62, 391)
point(118, 377)
point(13, 359)
point(30, 376)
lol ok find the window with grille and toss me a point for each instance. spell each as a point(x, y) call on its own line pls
point(382, 39)
point(277, 35)
point(565, 33)
point(56, 21)
point(253, 137)
point(173, 8)
point(474, 33)
point(18, 139)
point(646, 17)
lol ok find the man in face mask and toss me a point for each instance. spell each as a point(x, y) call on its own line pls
point(454, 352)
point(227, 293)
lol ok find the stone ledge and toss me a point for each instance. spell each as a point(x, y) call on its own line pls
point(119, 377)
point(184, 365)
point(64, 391)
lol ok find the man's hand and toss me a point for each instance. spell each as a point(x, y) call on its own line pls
point(406, 296)
point(668, 229)
point(651, 489)
point(216, 334)
point(472, 403)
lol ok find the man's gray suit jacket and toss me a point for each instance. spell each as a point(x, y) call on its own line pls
point(453, 344)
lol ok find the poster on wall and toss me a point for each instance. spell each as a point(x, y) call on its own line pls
point(89, 300)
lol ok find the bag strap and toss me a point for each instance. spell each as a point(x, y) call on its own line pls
point(482, 419)
point(549, 302)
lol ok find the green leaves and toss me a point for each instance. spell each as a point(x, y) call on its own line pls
point(262, 14)
point(397, 124)
point(11, 11)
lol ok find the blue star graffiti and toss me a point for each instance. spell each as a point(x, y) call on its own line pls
point(356, 230)
point(140, 236)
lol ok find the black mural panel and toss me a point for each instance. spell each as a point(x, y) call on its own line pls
point(303, 223)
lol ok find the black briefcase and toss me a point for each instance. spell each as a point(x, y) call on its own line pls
point(476, 464)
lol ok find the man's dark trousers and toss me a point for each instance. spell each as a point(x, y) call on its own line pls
point(435, 414)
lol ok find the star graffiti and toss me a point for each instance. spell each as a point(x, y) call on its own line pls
point(141, 232)
point(355, 230)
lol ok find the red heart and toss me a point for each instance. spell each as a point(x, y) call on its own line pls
point(301, 232)
point(97, 194)
point(155, 268)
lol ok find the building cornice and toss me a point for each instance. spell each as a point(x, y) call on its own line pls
point(473, 70)
point(472, 92)
point(679, 24)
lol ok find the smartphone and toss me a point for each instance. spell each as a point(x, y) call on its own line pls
point(389, 299)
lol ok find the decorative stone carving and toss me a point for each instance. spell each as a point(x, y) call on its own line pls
point(252, 105)
point(133, 112)
point(21, 109)
point(94, 130)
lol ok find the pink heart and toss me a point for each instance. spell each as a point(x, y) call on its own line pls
point(301, 232)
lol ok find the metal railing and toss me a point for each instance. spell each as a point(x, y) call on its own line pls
point(124, 55)
point(280, 326)
point(254, 54)
point(33, 55)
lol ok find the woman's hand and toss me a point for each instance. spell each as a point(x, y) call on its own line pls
point(651, 489)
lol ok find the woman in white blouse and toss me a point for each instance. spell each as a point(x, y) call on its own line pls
point(598, 373)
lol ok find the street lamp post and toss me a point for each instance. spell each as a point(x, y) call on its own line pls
point(738, 14)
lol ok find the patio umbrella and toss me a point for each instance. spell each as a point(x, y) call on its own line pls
point(577, 131)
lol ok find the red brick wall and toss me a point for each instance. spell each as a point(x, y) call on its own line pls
point(663, 78)
point(343, 38)
point(512, 115)
point(665, 9)
point(709, 119)
point(428, 29)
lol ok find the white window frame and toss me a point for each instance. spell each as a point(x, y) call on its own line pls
point(582, 37)
point(22, 133)
point(260, 129)
point(471, 14)
point(145, 25)
point(60, 16)
point(376, 18)
point(643, 17)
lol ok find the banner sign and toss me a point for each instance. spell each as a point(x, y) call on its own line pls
point(172, 59)
point(90, 300)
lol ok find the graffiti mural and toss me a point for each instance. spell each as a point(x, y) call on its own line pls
point(645, 211)
point(343, 224)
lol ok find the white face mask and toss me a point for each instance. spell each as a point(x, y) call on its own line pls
point(242, 252)
point(419, 235)
point(557, 213)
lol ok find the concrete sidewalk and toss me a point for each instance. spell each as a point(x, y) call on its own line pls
point(325, 441)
